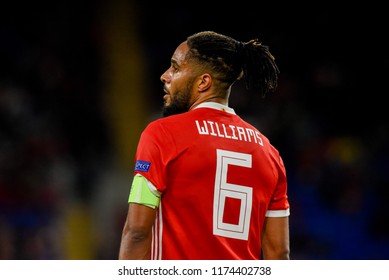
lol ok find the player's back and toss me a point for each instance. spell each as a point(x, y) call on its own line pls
point(218, 176)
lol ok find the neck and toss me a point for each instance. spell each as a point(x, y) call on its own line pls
point(210, 97)
point(219, 100)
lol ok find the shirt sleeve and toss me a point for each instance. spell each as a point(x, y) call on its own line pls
point(154, 154)
point(279, 204)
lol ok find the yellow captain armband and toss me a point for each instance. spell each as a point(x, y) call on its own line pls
point(143, 192)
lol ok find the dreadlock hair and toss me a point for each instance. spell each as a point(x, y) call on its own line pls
point(232, 60)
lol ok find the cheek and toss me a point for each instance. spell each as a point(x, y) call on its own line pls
point(177, 76)
point(177, 81)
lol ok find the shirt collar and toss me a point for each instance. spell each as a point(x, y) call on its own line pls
point(217, 106)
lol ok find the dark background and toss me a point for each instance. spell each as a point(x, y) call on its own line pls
point(80, 79)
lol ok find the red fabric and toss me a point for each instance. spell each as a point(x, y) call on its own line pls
point(197, 156)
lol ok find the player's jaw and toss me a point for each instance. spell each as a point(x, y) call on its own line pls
point(177, 102)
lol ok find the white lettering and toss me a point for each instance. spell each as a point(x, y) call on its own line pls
point(212, 129)
point(241, 133)
point(218, 131)
point(260, 142)
point(233, 131)
point(203, 129)
point(228, 131)
point(225, 131)
point(250, 133)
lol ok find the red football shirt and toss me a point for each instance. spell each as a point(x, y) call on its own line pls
point(219, 177)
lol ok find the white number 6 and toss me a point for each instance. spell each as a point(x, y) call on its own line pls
point(224, 190)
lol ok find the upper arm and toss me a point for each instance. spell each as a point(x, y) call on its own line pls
point(137, 232)
point(275, 238)
point(140, 218)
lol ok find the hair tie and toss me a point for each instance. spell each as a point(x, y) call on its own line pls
point(240, 47)
point(240, 50)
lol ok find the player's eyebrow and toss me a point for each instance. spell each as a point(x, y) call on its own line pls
point(173, 62)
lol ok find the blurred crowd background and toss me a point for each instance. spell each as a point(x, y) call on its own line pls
point(79, 80)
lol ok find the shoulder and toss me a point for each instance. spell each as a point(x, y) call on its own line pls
point(173, 121)
point(164, 122)
point(165, 126)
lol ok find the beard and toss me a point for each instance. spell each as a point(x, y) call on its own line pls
point(179, 103)
point(173, 109)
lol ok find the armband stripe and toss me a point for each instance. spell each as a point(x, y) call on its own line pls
point(278, 213)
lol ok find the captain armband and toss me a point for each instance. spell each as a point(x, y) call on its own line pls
point(143, 192)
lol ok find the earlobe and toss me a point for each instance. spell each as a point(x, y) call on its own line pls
point(204, 82)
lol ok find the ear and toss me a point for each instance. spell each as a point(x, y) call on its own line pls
point(204, 82)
